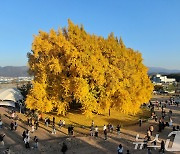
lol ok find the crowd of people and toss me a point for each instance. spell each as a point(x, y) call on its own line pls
point(164, 120)
point(34, 123)
point(109, 128)
point(26, 139)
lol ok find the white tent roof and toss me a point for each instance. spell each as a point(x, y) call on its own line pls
point(7, 103)
point(10, 94)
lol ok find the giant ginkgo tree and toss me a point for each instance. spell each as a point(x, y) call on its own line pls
point(73, 66)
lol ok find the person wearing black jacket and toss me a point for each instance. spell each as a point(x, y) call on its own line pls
point(2, 138)
point(24, 135)
point(12, 125)
point(162, 147)
point(64, 148)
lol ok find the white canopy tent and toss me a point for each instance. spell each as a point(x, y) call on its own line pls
point(10, 96)
point(7, 103)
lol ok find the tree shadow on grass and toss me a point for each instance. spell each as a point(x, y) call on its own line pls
point(129, 120)
point(80, 145)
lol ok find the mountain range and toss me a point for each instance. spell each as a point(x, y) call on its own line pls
point(155, 70)
point(22, 71)
point(14, 71)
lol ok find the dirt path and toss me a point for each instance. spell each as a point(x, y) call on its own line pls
point(81, 143)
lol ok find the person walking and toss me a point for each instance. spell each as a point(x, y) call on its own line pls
point(15, 125)
point(26, 141)
point(12, 125)
point(155, 118)
point(72, 130)
point(2, 139)
point(162, 149)
point(108, 127)
point(40, 117)
point(60, 124)
point(12, 114)
point(105, 134)
point(64, 122)
point(163, 124)
point(27, 133)
point(92, 131)
point(1, 124)
point(96, 131)
point(49, 121)
point(46, 122)
point(170, 113)
point(24, 135)
point(64, 148)
point(36, 140)
point(148, 135)
point(151, 128)
point(69, 130)
point(104, 127)
point(170, 122)
point(160, 126)
point(111, 128)
point(30, 121)
point(36, 124)
point(7, 151)
point(149, 151)
point(118, 129)
point(140, 122)
point(120, 149)
point(32, 129)
point(53, 120)
point(53, 129)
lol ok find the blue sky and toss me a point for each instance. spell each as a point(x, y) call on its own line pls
point(149, 26)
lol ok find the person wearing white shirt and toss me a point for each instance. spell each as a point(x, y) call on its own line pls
point(26, 141)
point(64, 122)
point(96, 131)
point(170, 122)
point(120, 149)
point(104, 127)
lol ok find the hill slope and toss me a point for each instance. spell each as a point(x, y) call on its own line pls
point(14, 71)
point(155, 70)
point(17, 71)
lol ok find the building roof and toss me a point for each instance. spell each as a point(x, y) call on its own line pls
point(10, 94)
point(7, 103)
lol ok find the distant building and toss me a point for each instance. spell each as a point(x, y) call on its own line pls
point(15, 79)
point(159, 79)
point(20, 79)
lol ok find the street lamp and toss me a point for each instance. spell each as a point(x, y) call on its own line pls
point(20, 106)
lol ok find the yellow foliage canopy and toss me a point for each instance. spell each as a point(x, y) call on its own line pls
point(73, 66)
